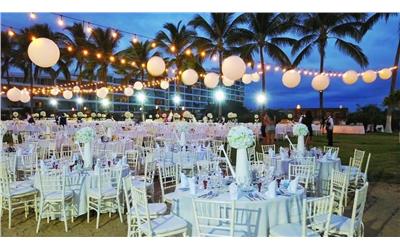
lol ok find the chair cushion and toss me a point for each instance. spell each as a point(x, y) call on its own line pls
point(155, 209)
point(339, 224)
point(291, 230)
point(164, 224)
point(19, 184)
point(225, 232)
point(105, 193)
point(57, 195)
point(22, 191)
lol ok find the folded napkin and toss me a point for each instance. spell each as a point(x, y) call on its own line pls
point(233, 191)
point(272, 188)
point(184, 181)
point(97, 166)
point(293, 185)
point(282, 153)
point(324, 157)
point(192, 185)
point(329, 154)
point(334, 155)
point(271, 152)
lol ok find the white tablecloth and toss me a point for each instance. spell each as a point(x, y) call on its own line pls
point(347, 129)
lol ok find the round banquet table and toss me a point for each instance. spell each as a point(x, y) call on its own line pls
point(252, 217)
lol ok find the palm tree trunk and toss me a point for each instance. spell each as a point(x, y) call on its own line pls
point(9, 85)
point(264, 90)
point(220, 57)
point(321, 93)
point(388, 126)
point(31, 87)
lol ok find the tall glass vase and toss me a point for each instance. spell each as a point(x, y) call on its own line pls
point(300, 145)
point(87, 155)
point(242, 168)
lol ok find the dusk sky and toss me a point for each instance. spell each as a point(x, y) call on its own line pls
point(379, 45)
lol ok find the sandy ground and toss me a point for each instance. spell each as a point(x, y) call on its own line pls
point(381, 218)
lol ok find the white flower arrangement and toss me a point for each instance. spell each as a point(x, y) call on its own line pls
point(80, 114)
point(209, 115)
point(103, 116)
point(300, 129)
point(157, 116)
point(15, 114)
point(99, 115)
point(93, 115)
point(66, 115)
point(150, 117)
point(177, 116)
point(35, 115)
point(290, 116)
point(232, 115)
point(85, 135)
point(205, 119)
point(256, 118)
point(186, 114)
point(241, 137)
point(164, 115)
point(74, 116)
point(52, 115)
point(128, 115)
point(43, 114)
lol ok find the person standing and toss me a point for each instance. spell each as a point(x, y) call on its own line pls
point(329, 129)
point(307, 120)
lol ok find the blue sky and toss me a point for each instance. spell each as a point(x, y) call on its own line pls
point(379, 45)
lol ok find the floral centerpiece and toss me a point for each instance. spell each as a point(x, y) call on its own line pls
point(241, 137)
point(98, 115)
point(210, 117)
point(181, 128)
point(43, 114)
point(128, 116)
point(177, 116)
point(86, 136)
point(300, 130)
point(80, 115)
point(15, 115)
point(35, 115)
point(93, 115)
point(232, 116)
point(205, 119)
point(256, 118)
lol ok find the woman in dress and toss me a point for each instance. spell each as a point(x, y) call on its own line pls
point(269, 130)
point(307, 120)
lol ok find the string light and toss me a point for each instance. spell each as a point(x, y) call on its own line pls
point(112, 58)
point(98, 55)
point(172, 48)
point(33, 38)
point(114, 34)
point(135, 39)
point(203, 53)
point(153, 44)
point(188, 52)
point(123, 61)
point(85, 52)
point(69, 48)
point(32, 15)
point(60, 21)
point(10, 32)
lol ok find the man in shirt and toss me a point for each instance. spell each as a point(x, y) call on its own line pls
point(329, 129)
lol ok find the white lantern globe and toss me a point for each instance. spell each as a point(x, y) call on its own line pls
point(164, 84)
point(128, 91)
point(14, 94)
point(156, 66)
point(54, 91)
point(76, 89)
point(102, 92)
point(138, 85)
point(385, 73)
point(369, 76)
point(350, 77)
point(246, 78)
point(233, 67)
point(211, 80)
point(320, 82)
point(291, 78)
point(227, 82)
point(67, 94)
point(255, 77)
point(189, 77)
point(43, 52)
point(25, 96)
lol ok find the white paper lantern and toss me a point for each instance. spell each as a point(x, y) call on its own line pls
point(67, 94)
point(102, 92)
point(246, 78)
point(55, 91)
point(189, 77)
point(255, 77)
point(128, 91)
point(291, 78)
point(14, 94)
point(233, 67)
point(25, 96)
point(227, 82)
point(138, 85)
point(156, 66)
point(320, 82)
point(350, 77)
point(211, 80)
point(369, 76)
point(385, 74)
point(76, 89)
point(164, 84)
point(43, 52)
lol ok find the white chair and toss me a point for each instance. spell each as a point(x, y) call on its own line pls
point(265, 148)
point(251, 153)
point(353, 171)
point(165, 225)
point(311, 224)
point(168, 181)
point(338, 187)
point(332, 149)
point(132, 157)
point(13, 197)
point(54, 198)
point(155, 209)
point(205, 166)
point(301, 171)
point(215, 218)
point(364, 176)
point(28, 165)
point(260, 156)
point(104, 192)
point(353, 226)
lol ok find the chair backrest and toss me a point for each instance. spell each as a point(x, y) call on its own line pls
point(207, 166)
point(358, 208)
point(4, 180)
point(149, 171)
point(259, 156)
point(258, 167)
point(265, 148)
point(168, 178)
point(9, 161)
point(251, 153)
point(365, 174)
point(301, 171)
point(52, 180)
point(132, 157)
point(30, 163)
point(229, 151)
point(127, 187)
point(213, 218)
point(338, 187)
point(358, 158)
point(332, 149)
point(313, 209)
point(140, 204)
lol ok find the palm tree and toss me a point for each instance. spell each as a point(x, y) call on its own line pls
point(8, 47)
point(316, 29)
point(371, 21)
point(106, 44)
point(264, 33)
point(217, 34)
point(176, 40)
